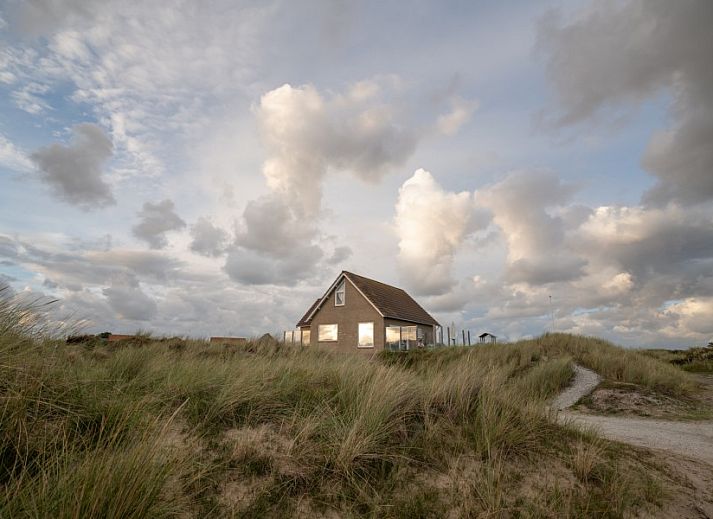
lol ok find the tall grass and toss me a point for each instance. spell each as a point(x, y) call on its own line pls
point(184, 428)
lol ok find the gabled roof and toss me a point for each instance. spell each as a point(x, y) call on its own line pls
point(307, 316)
point(391, 302)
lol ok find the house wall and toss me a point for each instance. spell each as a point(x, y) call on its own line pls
point(357, 309)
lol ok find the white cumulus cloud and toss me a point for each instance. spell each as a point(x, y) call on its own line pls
point(431, 224)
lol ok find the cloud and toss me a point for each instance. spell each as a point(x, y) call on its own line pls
point(207, 239)
point(431, 225)
point(130, 302)
point(12, 157)
point(537, 249)
point(307, 136)
point(155, 221)
point(28, 98)
point(340, 255)
point(255, 268)
point(460, 114)
point(641, 47)
point(74, 172)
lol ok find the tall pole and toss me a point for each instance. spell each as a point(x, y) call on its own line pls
point(552, 312)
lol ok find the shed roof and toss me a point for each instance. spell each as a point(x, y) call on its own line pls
point(389, 301)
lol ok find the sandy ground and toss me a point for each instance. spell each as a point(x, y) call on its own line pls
point(693, 440)
point(686, 447)
point(585, 381)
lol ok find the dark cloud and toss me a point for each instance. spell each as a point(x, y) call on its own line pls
point(74, 172)
point(208, 239)
point(617, 53)
point(155, 220)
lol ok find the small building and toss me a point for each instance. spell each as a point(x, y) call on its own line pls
point(487, 337)
point(361, 314)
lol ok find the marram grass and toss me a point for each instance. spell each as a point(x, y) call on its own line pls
point(186, 429)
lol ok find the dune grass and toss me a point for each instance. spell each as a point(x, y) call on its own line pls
point(184, 428)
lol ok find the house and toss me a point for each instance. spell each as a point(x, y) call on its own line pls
point(487, 337)
point(358, 313)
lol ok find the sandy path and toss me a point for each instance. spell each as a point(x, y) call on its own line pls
point(691, 439)
point(585, 380)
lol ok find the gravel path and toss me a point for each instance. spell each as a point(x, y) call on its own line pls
point(691, 439)
point(585, 380)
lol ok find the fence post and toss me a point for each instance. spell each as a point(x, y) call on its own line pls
point(468, 337)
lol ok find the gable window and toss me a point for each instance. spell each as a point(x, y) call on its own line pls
point(339, 295)
point(366, 335)
point(327, 332)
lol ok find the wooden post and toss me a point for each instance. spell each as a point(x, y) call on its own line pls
point(463, 332)
point(468, 337)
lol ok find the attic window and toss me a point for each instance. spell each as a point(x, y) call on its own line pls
point(339, 295)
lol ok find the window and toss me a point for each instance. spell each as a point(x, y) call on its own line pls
point(339, 295)
point(327, 332)
point(366, 335)
point(402, 338)
point(306, 337)
point(393, 338)
point(408, 337)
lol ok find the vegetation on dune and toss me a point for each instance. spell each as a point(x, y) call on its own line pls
point(695, 360)
point(184, 428)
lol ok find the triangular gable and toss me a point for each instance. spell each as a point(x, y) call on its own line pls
point(387, 300)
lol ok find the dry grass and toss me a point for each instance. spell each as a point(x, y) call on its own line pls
point(183, 428)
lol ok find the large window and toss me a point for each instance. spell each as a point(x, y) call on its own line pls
point(366, 335)
point(393, 338)
point(306, 336)
point(339, 295)
point(402, 338)
point(327, 332)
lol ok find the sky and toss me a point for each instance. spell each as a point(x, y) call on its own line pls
point(208, 168)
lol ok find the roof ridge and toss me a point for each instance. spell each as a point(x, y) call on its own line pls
point(373, 280)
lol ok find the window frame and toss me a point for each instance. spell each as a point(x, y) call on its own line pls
point(341, 288)
point(336, 333)
point(359, 345)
